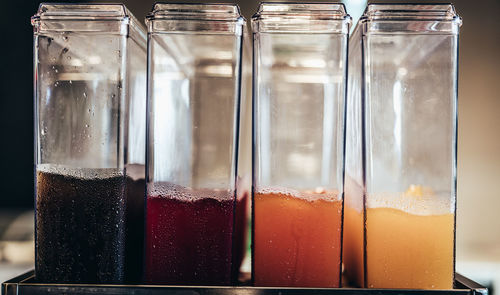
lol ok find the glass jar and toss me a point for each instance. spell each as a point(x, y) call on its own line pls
point(86, 67)
point(195, 65)
point(300, 56)
point(401, 147)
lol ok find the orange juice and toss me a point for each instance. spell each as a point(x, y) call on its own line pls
point(297, 239)
point(406, 250)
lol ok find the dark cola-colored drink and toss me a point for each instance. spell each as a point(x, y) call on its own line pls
point(134, 218)
point(80, 225)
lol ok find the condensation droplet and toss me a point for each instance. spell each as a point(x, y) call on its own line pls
point(85, 94)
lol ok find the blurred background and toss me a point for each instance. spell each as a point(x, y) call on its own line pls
point(478, 224)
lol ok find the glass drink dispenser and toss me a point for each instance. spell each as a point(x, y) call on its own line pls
point(300, 55)
point(87, 58)
point(193, 121)
point(400, 186)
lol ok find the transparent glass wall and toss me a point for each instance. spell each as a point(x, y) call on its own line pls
point(135, 154)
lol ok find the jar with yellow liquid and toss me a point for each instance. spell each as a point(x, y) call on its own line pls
point(400, 185)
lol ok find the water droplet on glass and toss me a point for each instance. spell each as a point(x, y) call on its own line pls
point(65, 38)
point(56, 84)
point(87, 125)
point(113, 95)
point(68, 57)
point(65, 50)
point(70, 81)
point(85, 94)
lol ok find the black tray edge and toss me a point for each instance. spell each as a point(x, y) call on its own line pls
point(21, 285)
point(477, 288)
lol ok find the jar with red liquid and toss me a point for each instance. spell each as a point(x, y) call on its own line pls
point(300, 55)
point(195, 66)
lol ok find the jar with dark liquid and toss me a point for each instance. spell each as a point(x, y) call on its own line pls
point(85, 77)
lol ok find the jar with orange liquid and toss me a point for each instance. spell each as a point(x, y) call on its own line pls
point(300, 55)
point(400, 185)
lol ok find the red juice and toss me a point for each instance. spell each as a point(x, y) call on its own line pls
point(189, 236)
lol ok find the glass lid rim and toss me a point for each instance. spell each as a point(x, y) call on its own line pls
point(410, 11)
point(195, 11)
point(79, 11)
point(332, 10)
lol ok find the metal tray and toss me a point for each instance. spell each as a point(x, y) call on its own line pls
point(25, 285)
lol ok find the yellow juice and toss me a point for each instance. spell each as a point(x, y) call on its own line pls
point(405, 250)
